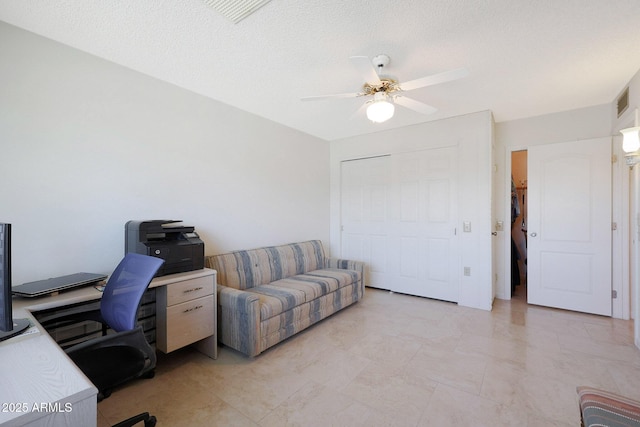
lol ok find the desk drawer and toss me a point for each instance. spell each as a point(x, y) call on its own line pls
point(186, 290)
point(187, 323)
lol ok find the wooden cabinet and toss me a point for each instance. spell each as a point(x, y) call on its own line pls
point(186, 311)
point(177, 310)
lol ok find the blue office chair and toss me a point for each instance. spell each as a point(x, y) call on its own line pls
point(115, 358)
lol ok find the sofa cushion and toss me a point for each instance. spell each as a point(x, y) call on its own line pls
point(317, 283)
point(284, 325)
point(344, 277)
point(255, 267)
point(275, 300)
point(601, 408)
point(285, 294)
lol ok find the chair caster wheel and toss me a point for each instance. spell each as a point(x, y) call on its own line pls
point(103, 394)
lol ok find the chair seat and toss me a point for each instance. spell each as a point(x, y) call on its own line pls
point(109, 367)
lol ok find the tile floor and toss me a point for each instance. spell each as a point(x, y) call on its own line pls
point(397, 360)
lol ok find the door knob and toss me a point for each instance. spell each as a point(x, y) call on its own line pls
point(533, 234)
point(494, 233)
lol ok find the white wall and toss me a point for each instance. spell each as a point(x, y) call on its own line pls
point(86, 145)
point(472, 133)
point(583, 123)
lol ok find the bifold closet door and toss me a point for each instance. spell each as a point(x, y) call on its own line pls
point(399, 214)
point(424, 206)
point(364, 217)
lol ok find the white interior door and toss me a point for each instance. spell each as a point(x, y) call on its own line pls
point(569, 230)
point(364, 219)
point(424, 214)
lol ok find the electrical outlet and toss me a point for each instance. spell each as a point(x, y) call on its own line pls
point(467, 271)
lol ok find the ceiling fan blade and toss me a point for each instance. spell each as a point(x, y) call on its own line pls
point(414, 105)
point(435, 79)
point(365, 67)
point(360, 111)
point(337, 95)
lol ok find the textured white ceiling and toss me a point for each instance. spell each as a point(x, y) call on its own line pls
point(526, 57)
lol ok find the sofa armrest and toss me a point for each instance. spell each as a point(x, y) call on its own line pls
point(347, 264)
point(239, 320)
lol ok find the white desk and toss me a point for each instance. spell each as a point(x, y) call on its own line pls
point(40, 385)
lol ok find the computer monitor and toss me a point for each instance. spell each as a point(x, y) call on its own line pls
point(9, 326)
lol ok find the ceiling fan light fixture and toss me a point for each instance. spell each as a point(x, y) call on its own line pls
point(388, 91)
point(380, 110)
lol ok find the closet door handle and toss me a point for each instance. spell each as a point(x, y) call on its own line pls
point(533, 234)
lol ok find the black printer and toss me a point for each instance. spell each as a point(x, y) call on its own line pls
point(178, 245)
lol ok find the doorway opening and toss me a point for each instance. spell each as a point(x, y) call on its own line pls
point(519, 201)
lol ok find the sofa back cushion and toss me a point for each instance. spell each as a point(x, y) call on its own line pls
point(255, 267)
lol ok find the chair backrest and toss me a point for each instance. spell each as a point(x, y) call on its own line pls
point(124, 290)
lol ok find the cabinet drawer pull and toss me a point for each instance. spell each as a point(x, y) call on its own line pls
point(197, 307)
point(192, 290)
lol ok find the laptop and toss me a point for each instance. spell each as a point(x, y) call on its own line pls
point(56, 284)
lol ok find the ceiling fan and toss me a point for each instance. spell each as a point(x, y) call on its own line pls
point(387, 91)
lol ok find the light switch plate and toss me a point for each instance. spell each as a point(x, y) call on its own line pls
point(466, 226)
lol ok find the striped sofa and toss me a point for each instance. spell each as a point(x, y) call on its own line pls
point(268, 294)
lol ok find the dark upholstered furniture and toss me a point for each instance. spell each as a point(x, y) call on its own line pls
point(599, 408)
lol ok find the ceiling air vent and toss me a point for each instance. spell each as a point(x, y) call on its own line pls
point(236, 10)
point(623, 102)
